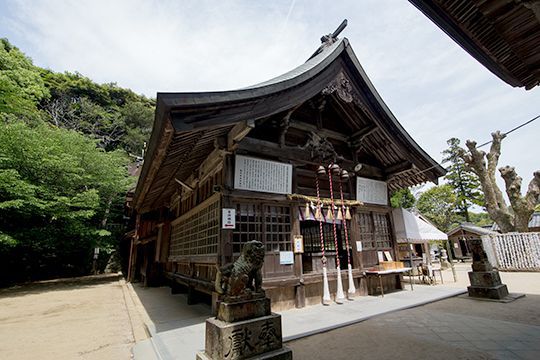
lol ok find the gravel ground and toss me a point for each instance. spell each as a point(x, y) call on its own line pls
point(84, 318)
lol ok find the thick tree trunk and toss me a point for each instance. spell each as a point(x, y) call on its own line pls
point(516, 217)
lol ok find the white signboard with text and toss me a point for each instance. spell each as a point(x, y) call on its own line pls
point(228, 220)
point(286, 258)
point(371, 191)
point(262, 175)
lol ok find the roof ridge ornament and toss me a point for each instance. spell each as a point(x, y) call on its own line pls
point(332, 37)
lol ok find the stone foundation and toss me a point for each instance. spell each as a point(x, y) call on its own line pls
point(259, 338)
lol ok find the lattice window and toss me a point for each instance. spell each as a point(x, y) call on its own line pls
point(382, 231)
point(312, 240)
point(270, 224)
point(277, 228)
point(197, 232)
point(366, 231)
point(248, 225)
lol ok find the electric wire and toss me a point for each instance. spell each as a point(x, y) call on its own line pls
point(484, 144)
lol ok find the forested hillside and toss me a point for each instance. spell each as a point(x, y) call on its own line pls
point(65, 145)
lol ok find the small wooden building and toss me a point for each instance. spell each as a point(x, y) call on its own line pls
point(460, 236)
point(224, 168)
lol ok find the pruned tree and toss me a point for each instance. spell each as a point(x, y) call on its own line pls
point(509, 218)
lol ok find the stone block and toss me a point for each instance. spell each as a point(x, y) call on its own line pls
point(495, 292)
point(484, 278)
point(243, 310)
point(281, 354)
point(482, 266)
point(243, 339)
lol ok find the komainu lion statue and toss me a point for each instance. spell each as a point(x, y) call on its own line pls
point(243, 278)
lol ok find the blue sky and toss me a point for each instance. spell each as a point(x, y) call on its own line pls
point(434, 88)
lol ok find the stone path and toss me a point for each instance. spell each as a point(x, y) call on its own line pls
point(188, 338)
point(436, 330)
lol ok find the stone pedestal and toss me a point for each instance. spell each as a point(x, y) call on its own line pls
point(242, 310)
point(486, 284)
point(485, 281)
point(244, 330)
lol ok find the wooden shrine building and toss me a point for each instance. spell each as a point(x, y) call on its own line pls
point(460, 236)
point(224, 168)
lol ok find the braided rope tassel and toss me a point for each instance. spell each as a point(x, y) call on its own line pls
point(326, 289)
point(352, 289)
point(339, 293)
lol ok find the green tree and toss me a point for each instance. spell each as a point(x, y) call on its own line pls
point(438, 204)
point(402, 198)
point(21, 86)
point(117, 117)
point(464, 181)
point(480, 219)
point(55, 187)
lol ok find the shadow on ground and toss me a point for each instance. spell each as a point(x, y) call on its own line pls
point(57, 285)
point(167, 311)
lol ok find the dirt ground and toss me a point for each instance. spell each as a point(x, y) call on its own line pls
point(86, 318)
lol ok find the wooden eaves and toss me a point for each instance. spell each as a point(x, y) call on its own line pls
point(188, 125)
point(503, 35)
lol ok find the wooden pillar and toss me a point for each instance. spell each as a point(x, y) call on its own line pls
point(191, 296)
point(300, 291)
point(354, 236)
point(225, 243)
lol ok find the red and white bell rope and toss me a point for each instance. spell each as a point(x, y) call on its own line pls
point(326, 300)
point(339, 293)
point(351, 290)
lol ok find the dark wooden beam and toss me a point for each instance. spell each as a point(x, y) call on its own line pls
point(357, 138)
point(300, 125)
point(399, 168)
point(371, 171)
point(294, 154)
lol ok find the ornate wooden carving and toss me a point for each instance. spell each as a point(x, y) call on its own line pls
point(341, 85)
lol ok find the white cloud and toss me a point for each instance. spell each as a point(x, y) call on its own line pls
point(435, 89)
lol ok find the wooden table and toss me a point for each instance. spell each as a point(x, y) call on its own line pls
point(379, 273)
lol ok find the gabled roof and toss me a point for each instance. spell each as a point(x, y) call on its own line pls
point(471, 228)
point(414, 228)
point(503, 35)
point(187, 124)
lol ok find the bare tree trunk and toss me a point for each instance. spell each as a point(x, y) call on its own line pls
point(516, 217)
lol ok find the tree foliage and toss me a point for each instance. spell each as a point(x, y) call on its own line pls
point(64, 145)
point(402, 198)
point(438, 204)
point(21, 86)
point(463, 180)
point(54, 187)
